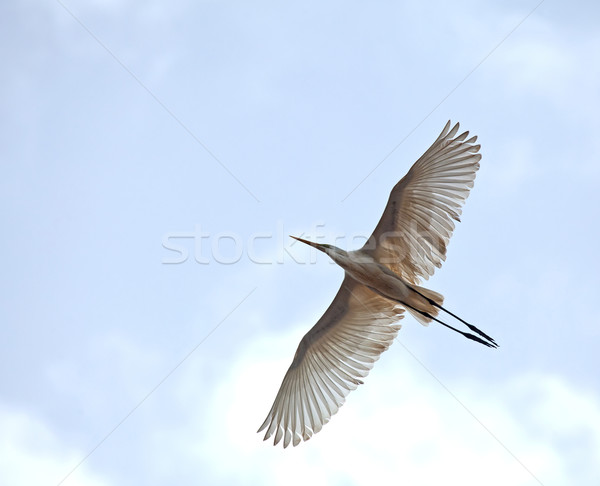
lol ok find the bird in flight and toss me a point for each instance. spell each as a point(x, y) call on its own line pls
point(381, 281)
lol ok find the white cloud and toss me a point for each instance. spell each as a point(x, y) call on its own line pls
point(402, 426)
point(30, 453)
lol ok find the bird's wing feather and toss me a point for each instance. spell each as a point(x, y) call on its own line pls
point(417, 223)
point(330, 361)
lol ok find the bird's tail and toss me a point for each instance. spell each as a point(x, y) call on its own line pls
point(418, 303)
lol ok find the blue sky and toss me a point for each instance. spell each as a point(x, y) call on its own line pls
point(222, 127)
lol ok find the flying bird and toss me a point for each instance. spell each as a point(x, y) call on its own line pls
point(380, 283)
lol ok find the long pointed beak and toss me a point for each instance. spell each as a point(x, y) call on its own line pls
point(315, 245)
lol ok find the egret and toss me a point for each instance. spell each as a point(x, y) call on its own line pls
point(381, 281)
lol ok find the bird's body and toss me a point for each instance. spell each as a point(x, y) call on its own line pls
point(381, 281)
point(364, 269)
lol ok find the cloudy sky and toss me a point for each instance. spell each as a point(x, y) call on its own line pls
point(155, 158)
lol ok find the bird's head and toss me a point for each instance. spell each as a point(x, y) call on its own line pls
point(328, 249)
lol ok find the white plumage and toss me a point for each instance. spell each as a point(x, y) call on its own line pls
point(381, 279)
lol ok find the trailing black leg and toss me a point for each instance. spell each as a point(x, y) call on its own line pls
point(472, 337)
point(470, 326)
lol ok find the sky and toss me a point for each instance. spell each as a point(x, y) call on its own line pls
point(156, 156)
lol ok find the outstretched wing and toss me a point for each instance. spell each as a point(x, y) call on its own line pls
point(330, 361)
point(417, 223)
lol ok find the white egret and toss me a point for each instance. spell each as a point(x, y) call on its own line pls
point(381, 280)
